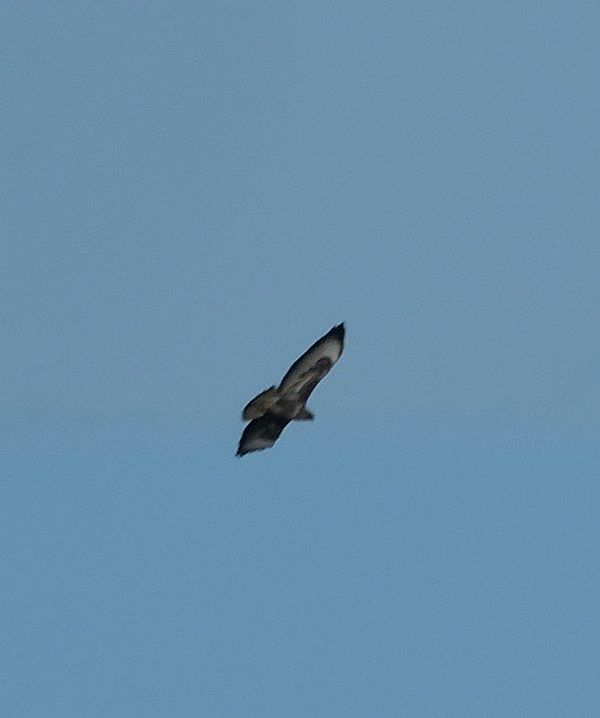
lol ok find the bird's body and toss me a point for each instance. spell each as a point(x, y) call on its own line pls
point(273, 409)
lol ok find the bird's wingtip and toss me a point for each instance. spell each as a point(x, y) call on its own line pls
point(338, 330)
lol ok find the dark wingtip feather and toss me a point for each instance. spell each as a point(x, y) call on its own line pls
point(338, 331)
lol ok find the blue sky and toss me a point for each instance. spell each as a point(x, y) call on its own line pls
point(195, 192)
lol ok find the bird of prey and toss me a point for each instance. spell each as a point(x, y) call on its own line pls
point(273, 409)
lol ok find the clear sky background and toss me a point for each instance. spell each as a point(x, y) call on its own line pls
point(193, 193)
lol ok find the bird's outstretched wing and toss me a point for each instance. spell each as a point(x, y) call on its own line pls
point(261, 433)
point(308, 370)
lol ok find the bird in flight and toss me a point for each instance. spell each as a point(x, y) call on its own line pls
point(273, 409)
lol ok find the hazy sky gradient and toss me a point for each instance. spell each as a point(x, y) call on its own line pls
point(194, 193)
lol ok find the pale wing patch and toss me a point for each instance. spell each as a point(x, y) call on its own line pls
point(256, 443)
point(331, 349)
point(302, 387)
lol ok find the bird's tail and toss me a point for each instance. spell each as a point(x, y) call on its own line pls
point(260, 404)
point(304, 415)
